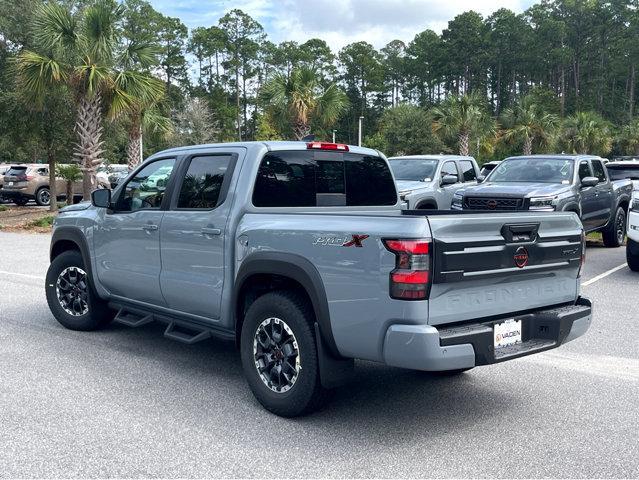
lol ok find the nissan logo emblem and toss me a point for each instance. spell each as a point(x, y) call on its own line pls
point(491, 204)
point(521, 257)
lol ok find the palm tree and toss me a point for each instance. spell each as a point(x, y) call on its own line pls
point(300, 101)
point(628, 138)
point(527, 122)
point(587, 132)
point(462, 118)
point(79, 50)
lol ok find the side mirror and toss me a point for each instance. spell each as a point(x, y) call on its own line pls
point(481, 178)
point(589, 182)
point(101, 198)
point(449, 179)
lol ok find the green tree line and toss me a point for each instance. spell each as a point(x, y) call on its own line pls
point(94, 80)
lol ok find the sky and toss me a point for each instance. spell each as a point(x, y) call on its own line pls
point(339, 22)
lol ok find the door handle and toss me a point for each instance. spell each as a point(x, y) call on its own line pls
point(211, 231)
point(150, 227)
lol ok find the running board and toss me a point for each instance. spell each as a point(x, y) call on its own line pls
point(184, 334)
point(132, 319)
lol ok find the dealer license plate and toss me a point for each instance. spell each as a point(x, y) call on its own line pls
point(507, 333)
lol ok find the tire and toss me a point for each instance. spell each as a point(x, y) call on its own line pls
point(21, 201)
point(632, 255)
point(614, 234)
point(302, 393)
point(90, 312)
point(43, 197)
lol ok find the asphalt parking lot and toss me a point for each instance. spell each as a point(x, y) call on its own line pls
point(129, 403)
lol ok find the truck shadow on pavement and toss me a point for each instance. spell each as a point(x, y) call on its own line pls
point(392, 402)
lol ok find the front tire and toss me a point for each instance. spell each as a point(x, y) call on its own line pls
point(71, 297)
point(613, 236)
point(43, 197)
point(632, 255)
point(279, 354)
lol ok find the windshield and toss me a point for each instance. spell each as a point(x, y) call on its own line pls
point(538, 170)
point(414, 169)
point(623, 173)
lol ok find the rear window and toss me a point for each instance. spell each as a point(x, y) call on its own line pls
point(622, 173)
point(320, 179)
point(16, 171)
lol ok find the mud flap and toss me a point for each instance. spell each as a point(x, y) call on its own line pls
point(333, 372)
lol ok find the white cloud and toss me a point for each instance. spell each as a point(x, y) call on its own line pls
point(339, 22)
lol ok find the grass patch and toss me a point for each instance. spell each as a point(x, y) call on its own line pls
point(43, 222)
point(3, 208)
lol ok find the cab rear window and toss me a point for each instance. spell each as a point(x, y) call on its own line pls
point(321, 179)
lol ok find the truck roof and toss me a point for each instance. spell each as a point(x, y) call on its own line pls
point(567, 156)
point(441, 156)
point(272, 146)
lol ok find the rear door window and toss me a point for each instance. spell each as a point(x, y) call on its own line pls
point(309, 179)
point(204, 181)
point(468, 171)
point(598, 170)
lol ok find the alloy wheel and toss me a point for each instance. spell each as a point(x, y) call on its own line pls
point(620, 227)
point(276, 355)
point(44, 196)
point(72, 291)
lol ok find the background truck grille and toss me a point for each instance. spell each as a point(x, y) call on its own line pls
point(488, 203)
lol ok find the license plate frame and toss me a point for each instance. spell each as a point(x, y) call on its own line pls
point(507, 333)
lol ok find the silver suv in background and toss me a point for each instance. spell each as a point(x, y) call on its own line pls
point(429, 181)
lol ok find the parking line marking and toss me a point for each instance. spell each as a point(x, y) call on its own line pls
point(603, 275)
point(35, 277)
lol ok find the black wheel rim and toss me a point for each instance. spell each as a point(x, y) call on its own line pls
point(73, 291)
point(45, 197)
point(620, 227)
point(276, 354)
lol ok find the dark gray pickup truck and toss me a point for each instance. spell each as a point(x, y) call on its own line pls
point(546, 183)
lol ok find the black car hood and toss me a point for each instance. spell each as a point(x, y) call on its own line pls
point(515, 189)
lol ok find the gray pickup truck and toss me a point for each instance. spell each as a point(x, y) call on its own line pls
point(548, 183)
point(301, 254)
point(428, 182)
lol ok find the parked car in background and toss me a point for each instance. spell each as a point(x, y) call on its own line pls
point(570, 183)
point(3, 168)
point(632, 245)
point(31, 182)
point(106, 174)
point(488, 167)
point(301, 255)
point(429, 181)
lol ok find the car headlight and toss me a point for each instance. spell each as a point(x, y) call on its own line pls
point(634, 206)
point(404, 194)
point(458, 199)
point(543, 203)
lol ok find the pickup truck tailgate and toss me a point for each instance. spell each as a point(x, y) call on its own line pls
point(494, 264)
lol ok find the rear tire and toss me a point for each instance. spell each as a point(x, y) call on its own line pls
point(285, 319)
point(71, 296)
point(632, 255)
point(43, 197)
point(614, 234)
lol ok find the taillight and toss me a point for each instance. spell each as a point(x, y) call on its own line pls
point(410, 280)
point(327, 146)
point(29, 177)
point(582, 261)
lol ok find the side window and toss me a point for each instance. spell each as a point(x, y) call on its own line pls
point(598, 170)
point(468, 171)
point(449, 168)
point(146, 189)
point(203, 182)
point(584, 170)
point(369, 181)
point(285, 179)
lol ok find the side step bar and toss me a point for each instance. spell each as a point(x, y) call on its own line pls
point(132, 319)
point(178, 330)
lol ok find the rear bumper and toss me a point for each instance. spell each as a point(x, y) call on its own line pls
point(15, 194)
point(424, 347)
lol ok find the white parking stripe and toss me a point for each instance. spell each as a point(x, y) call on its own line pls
point(35, 277)
point(603, 275)
point(619, 368)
